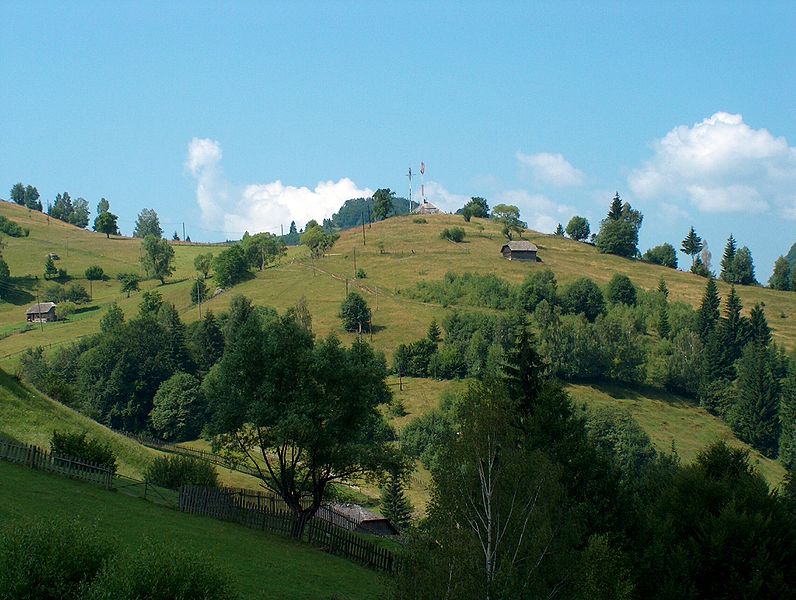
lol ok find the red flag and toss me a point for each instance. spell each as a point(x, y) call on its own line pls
point(422, 167)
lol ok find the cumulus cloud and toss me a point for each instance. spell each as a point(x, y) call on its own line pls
point(540, 212)
point(442, 198)
point(259, 206)
point(553, 169)
point(720, 164)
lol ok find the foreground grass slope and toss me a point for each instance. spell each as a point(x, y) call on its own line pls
point(260, 565)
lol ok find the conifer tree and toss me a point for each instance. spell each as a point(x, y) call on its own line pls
point(663, 288)
point(728, 261)
point(663, 326)
point(559, 231)
point(170, 320)
point(692, 245)
point(759, 331)
point(755, 416)
point(434, 334)
point(207, 342)
point(395, 505)
point(787, 419)
point(709, 310)
point(615, 212)
point(50, 270)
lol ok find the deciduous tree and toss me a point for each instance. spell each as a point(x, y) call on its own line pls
point(147, 223)
point(158, 258)
point(578, 228)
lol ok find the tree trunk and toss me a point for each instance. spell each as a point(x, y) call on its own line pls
point(301, 518)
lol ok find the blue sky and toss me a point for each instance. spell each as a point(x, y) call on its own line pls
point(244, 116)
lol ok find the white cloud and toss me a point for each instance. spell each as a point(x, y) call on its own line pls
point(540, 212)
point(259, 207)
point(442, 198)
point(720, 165)
point(551, 168)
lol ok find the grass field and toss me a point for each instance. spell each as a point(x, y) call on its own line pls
point(412, 252)
point(261, 566)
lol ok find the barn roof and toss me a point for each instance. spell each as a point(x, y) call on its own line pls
point(355, 512)
point(521, 245)
point(41, 307)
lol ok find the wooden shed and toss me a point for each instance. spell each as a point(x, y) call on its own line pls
point(366, 521)
point(43, 311)
point(519, 250)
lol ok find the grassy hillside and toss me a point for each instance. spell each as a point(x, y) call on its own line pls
point(29, 417)
point(412, 252)
point(260, 565)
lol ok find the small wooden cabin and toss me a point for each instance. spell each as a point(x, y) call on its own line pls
point(41, 312)
point(366, 521)
point(519, 250)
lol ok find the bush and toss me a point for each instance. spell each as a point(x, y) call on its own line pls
point(419, 220)
point(467, 289)
point(95, 273)
point(621, 290)
point(174, 471)
point(11, 228)
point(66, 309)
point(82, 447)
point(454, 234)
point(158, 572)
point(361, 274)
point(199, 291)
point(583, 296)
point(355, 313)
point(43, 560)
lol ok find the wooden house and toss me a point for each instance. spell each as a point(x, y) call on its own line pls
point(41, 312)
point(519, 250)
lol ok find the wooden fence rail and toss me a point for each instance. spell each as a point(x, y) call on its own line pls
point(37, 458)
point(258, 512)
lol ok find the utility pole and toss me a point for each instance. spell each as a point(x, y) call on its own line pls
point(346, 287)
point(38, 308)
point(370, 327)
point(282, 229)
point(377, 298)
point(183, 231)
point(363, 230)
point(355, 262)
point(199, 294)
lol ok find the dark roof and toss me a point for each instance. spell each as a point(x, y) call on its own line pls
point(521, 245)
point(355, 512)
point(40, 308)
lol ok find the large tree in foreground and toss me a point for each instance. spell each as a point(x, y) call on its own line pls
point(304, 414)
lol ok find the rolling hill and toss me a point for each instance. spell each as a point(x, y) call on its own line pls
point(395, 254)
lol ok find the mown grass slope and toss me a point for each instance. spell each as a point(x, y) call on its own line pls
point(412, 252)
point(260, 565)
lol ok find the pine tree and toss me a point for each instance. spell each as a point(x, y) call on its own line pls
point(663, 326)
point(692, 245)
point(787, 419)
point(759, 331)
point(559, 230)
point(755, 416)
point(663, 288)
point(615, 212)
point(50, 270)
point(395, 506)
point(169, 319)
point(728, 260)
point(434, 333)
point(207, 343)
point(709, 310)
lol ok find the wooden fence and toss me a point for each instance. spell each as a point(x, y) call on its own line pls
point(257, 511)
point(37, 458)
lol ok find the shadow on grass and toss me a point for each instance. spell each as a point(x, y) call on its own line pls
point(620, 391)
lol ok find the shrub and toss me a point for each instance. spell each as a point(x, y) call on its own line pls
point(621, 290)
point(11, 228)
point(82, 447)
point(583, 296)
point(175, 471)
point(467, 289)
point(354, 313)
point(454, 234)
point(419, 220)
point(43, 560)
point(95, 273)
point(157, 572)
point(361, 274)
